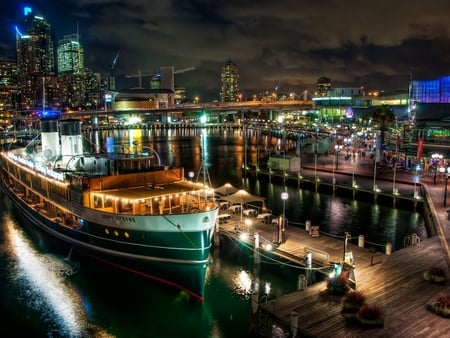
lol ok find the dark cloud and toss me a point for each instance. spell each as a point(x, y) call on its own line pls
point(292, 43)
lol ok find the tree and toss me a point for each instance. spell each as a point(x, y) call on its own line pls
point(384, 116)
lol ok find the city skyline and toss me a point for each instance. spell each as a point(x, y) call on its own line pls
point(284, 46)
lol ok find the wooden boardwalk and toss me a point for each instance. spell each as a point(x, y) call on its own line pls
point(393, 282)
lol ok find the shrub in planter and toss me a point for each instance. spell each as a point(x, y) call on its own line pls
point(435, 274)
point(353, 301)
point(370, 316)
point(442, 305)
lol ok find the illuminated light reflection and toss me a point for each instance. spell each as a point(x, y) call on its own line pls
point(243, 282)
point(43, 280)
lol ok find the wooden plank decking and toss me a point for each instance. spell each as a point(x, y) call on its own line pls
point(393, 282)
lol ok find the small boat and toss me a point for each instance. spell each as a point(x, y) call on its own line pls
point(122, 207)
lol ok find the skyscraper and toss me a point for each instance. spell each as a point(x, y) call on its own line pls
point(230, 82)
point(70, 55)
point(35, 56)
point(34, 42)
point(323, 86)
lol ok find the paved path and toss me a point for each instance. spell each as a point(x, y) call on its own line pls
point(395, 282)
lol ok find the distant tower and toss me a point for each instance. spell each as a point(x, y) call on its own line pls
point(70, 55)
point(323, 86)
point(230, 82)
point(8, 85)
point(35, 55)
point(34, 43)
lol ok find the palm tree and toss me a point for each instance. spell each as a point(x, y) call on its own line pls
point(384, 116)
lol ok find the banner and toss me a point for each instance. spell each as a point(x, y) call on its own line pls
point(419, 147)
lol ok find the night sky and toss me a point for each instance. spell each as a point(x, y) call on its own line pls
point(284, 44)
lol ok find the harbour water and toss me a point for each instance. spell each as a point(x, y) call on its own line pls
point(46, 295)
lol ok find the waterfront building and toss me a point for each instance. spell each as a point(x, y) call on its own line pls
point(430, 110)
point(70, 55)
point(8, 85)
point(323, 86)
point(230, 82)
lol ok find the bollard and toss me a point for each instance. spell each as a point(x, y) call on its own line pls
point(301, 283)
point(255, 301)
point(308, 225)
point(294, 323)
point(309, 260)
point(361, 241)
point(388, 249)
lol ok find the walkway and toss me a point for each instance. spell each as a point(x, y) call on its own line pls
point(393, 282)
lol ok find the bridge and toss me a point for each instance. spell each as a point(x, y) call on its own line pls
point(218, 107)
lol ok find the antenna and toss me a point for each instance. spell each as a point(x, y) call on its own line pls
point(79, 49)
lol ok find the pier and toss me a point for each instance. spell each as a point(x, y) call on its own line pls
point(392, 281)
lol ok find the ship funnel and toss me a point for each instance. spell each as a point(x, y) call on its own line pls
point(50, 139)
point(71, 139)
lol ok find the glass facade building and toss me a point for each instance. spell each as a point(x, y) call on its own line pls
point(431, 91)
point(230, 83)
point(70, 55)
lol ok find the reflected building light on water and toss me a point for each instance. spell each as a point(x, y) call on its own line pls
point(38, 275)
point(244, 282)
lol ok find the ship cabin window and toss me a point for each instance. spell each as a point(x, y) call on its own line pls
point(108, 202)
point(98, 201)
point(126, 206)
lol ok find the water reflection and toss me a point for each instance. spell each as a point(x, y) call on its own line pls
point(41, 284)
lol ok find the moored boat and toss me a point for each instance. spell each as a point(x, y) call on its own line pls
point(123, 207)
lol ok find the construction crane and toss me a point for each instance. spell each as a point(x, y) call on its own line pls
point(140, 74)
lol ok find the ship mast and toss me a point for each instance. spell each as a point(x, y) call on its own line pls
point(204, 155)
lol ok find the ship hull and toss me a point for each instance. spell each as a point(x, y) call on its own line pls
point(171, 256)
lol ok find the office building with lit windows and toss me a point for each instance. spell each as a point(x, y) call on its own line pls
point(430, 108)
point(230, 83)
point(323, 86)
point(35, 56)
point(70, 55)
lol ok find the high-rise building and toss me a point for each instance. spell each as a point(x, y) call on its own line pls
point(8, 84)
point(323, 86)
point(34, 41)
point(35, 55)
point(70, 55)
point(230, 82)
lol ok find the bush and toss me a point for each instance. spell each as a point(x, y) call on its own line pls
point(442, 305)
point(353, 301)
point(370, 315)
point(435, 274)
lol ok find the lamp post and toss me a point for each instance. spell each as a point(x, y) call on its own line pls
point(446, 179)
point(436, 158)
point(284, 197)
point(337, 149)
point(191, 175)
point(416, 178)
point(347, 238)
point(248, 222)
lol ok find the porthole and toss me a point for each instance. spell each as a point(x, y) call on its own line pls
point(107, 231)
point(127, 235)
point(116, 233)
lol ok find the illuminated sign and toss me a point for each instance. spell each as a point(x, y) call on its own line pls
point(27, 10)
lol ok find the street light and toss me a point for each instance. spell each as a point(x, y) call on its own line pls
point(284, 197)
point(446, 179)
point(248, 223)
point(191, 175)
point(337, 149)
